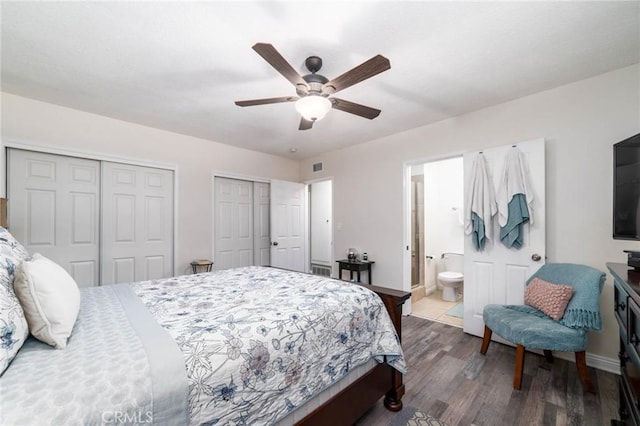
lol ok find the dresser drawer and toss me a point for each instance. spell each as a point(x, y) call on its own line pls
point(628, 401)
point(633, 342)
point(621, 309)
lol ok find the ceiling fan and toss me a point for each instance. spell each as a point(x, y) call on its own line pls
point(314, 90)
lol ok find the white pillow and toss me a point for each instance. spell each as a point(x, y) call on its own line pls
point(50, 299)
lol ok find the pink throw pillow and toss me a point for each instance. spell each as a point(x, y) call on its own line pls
point(552, 299)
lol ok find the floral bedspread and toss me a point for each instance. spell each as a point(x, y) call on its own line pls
point(259, 342)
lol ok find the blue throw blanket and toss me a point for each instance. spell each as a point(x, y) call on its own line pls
point(583, 310)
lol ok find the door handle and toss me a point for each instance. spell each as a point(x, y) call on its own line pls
point(536, 257)
point(275, 243)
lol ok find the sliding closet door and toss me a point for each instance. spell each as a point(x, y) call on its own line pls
point(233, 223)
point(261, 224)
point(137, 223)
point(53, 209)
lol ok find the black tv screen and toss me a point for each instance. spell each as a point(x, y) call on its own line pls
point(626, 189)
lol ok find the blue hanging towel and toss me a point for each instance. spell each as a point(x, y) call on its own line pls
point(481, 204)
point(512, 233)
point(515, 200)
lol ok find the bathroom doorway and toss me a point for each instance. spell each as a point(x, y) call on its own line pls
point(437, 234)
point(321, 227)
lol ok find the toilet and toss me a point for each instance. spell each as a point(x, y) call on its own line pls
point(452, 278)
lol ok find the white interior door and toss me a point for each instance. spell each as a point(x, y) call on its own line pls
point(261, 221)
point(137, 223)
point(289, 226)
point(54, 208)
point(497, 274)
point(233, 223)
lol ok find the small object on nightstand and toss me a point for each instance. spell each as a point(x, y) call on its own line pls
point(365, 256)
point(201, 265)
point(352, 255)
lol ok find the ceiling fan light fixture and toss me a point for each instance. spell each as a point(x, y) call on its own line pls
point(313, 107)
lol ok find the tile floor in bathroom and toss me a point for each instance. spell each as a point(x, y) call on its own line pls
point(433, 308)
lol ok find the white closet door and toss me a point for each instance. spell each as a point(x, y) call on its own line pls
point(233, 223)
point(261, 236)
point(54, 209)
point(137, 223)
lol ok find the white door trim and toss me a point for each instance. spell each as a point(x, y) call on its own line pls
point(406, 217)
point(90, 155)
point(308, 183)
point(93, 155)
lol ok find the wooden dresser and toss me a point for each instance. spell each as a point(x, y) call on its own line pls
point(627, 313)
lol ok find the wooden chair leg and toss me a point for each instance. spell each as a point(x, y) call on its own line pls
point(583, 372)
point(548, 355)
point(486, 340)
point(517, 375)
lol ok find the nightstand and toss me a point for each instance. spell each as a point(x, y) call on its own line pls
point(201, 265)
point(355, 266)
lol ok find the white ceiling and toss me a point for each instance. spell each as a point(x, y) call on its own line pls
point(180, 66)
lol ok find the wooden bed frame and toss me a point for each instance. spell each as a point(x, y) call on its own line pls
point(352, 402)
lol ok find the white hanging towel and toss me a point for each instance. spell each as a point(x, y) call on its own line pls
point(480, 204)
point(515, 199)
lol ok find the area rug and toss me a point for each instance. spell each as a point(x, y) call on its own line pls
point(410, 416)
point(457, 310)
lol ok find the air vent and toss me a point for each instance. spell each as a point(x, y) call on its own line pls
point(317, 167)
point(321, 270)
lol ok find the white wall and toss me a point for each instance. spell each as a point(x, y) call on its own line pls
point(443, 192)
point(580, 122)
point(28, 121)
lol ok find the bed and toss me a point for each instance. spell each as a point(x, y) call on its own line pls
point(250, 345)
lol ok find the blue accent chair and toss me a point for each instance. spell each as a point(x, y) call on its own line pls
point(530, 328)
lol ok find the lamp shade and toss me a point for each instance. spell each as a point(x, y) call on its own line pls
point(313, 107)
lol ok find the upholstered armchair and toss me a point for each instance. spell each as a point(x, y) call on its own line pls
point(578, 288)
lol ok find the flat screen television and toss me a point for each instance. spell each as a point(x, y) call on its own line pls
point(626, 189)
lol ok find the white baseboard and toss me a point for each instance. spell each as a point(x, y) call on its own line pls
point(610, 365)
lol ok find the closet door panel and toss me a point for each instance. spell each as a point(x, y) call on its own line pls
point(261, 236)
point(137, 224)
point(41, 219)
point(54, 209)
point(233, 223)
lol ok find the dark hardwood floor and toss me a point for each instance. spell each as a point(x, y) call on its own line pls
point(450, 380)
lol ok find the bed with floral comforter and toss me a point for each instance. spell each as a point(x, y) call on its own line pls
point(241, 346)
point(260, 342)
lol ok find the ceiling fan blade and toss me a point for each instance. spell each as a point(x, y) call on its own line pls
point(275, 59)
point(265, 101)
point(305, 124)
point(365, 70)
point(354, 108)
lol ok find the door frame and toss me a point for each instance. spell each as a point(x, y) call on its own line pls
point(309, 183)
point(99, 156)
point(406, 217)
